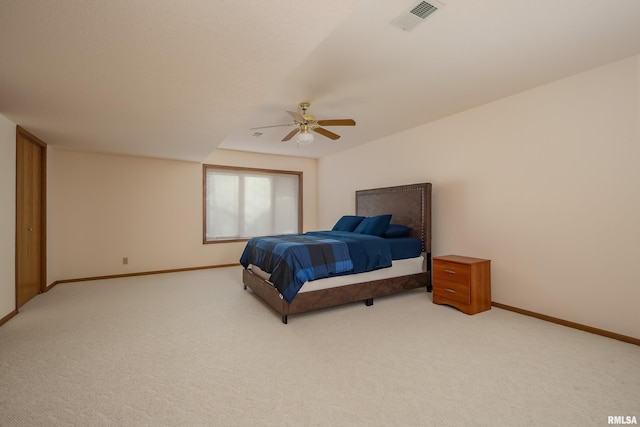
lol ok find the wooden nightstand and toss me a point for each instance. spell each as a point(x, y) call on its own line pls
point(462, 282)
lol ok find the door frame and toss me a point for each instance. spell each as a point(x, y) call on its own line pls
point(22, 133)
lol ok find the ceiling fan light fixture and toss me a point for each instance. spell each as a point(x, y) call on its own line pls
point(304, 137)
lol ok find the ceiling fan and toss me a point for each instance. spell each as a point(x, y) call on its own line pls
point(305, 123)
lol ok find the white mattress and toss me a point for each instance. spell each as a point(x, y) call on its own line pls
point(398, 268)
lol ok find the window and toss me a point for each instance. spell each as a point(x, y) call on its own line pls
point(240, 203)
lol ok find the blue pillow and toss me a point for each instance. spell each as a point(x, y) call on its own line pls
point(374, 225)
point(397, 230)
point(347, 223)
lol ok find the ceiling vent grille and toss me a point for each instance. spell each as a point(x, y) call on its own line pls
point(413, 16)
point(423, 9)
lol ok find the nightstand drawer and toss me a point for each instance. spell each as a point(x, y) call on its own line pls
point(452, 291)
point(452, 271)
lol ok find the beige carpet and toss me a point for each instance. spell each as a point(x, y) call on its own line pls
point(194, 348)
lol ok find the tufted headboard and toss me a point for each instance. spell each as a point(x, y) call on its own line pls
point(409, 205)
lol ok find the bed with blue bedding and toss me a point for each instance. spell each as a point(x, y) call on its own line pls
point(390, 224)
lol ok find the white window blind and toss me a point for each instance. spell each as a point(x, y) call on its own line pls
point(241, 204)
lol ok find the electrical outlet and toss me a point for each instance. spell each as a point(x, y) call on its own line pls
point(125, 260)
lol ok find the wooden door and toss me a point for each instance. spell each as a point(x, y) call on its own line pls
point(30, 216)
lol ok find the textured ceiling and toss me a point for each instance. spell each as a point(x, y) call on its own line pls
point(160, 78)
point(171, 79)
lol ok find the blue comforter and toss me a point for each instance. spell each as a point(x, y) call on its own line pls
point(295, 259)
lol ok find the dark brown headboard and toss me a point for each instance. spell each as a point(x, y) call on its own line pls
point(409, 205)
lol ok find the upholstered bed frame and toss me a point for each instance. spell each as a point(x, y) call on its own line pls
point(410, 205)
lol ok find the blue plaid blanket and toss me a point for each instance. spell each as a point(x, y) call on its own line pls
point(295, 259)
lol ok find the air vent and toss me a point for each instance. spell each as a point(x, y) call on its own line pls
point(423, 9)
point(415, 15)
point(257, 134)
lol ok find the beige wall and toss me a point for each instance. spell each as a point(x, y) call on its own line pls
point(7, 216)
point(544, 183)
point(102, 208)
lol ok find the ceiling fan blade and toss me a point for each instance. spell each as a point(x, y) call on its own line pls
point(291, 134)
point(274, 126)
point(296, 116)
point(337, 122)
point(327, 133)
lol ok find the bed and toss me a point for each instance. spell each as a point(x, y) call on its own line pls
point(408, 205)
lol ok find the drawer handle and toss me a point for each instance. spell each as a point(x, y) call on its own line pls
point(450, 290)
point(450, 271)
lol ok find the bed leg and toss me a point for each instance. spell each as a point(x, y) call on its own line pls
point(368, 302)
point(284, 319)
